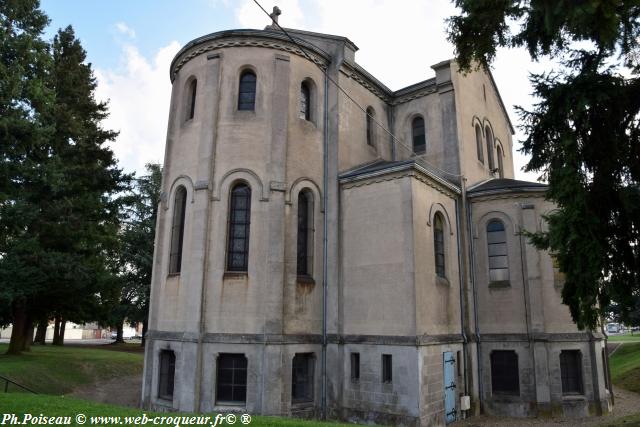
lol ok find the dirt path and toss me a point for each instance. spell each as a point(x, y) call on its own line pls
point(122, 391)
point(627, 403)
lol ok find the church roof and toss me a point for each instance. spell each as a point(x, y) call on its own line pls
point(504, 185)
point(381, 167)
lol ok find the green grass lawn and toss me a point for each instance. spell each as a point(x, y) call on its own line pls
point(58, 370)
point(49, 406)
point(625, 366)
point(625, 338)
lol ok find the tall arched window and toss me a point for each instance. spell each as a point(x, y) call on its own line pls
point(177, 230)
point(192, 99)
point(247, 91)
point(500, 165)
point(438, 244)
point(479, 147)
point(489, 135)
point(497, 251)
point(305, 101)
point(239, 220)
point(370, 135)
point(418, 136)
point(305, 233)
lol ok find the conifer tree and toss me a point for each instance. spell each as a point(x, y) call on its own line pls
point(583, 134)
point(59, 210)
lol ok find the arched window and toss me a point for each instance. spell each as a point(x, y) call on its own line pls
point(489, 135)
point(370, 135)
point(497, 251)
point(305, 101)
point(247, 91)
point(177, 230)
point(499, 155)
point(305, 233)
point(192, 99)
point(239, 220)
point(438, 244)
point(417, 134)
point(479, 147)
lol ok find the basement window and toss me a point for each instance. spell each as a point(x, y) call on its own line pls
point(387, 368)
point(231, 386)
point(505, 377)
point(355, 366)
point(302, 378)
point(571, 371)
point(167, 374)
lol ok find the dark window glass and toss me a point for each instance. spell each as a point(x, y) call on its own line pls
point(305, 101)
point(387, 368)
point(499, 155)
point(418, 136)
point(370, 128)
point(177, 230)
point(438, 242)
point(489, 135)
point(497, 250)
point(231, 385)
point(302, 378)
point(571, 371)
point(479, 145)
point(505, 377)
point(355, 366)
point(239, 220)
point(167, 374)
point(305, 234)
point(247, 91)
point(192, 96)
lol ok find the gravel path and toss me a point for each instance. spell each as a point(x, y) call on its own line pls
point(627, 403)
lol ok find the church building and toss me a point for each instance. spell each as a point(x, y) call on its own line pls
point(326, 246)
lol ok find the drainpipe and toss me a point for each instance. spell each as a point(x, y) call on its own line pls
point(475, 302)
point(525, 290)
point(461, 279)
point(325, 184)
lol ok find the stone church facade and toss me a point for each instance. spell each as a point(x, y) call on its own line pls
point(309, 262)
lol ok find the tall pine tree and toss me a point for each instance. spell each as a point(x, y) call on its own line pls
point(583, 134)
point(59, 217)
point(24, 147)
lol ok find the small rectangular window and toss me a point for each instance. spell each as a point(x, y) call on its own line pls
point(167, 374)
point(387, 366)
point(231, 385)
point(355, 366)
point(302, 378)
point(571, 371)
point(505, 377)
point(459, 362)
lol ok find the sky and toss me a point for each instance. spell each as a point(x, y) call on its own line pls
point(130, 45)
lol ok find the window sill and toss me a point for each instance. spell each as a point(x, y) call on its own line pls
point(301, 404)
point(305, 280)
point(500, 284)
point(235, 275)
point(574, 397)
point(230, 405)
point(173, 275)
point(443, 281)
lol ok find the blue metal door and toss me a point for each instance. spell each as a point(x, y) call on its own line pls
point(449, 365)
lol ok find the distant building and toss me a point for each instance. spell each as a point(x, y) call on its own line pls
point(306, 261)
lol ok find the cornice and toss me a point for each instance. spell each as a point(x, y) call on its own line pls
point(366, 80)
point(246, 38)
point(518, 193)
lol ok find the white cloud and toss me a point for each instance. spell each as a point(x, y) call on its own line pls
point(139, 93)
point(125, 29)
